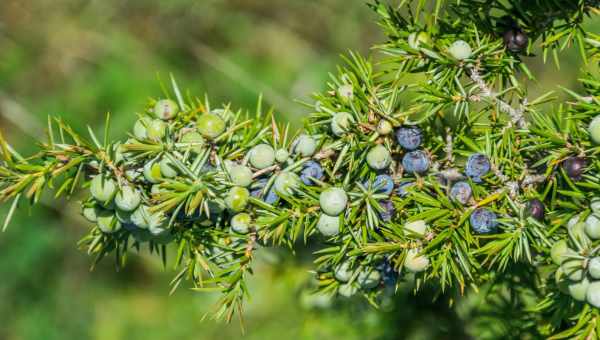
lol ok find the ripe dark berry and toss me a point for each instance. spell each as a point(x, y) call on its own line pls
point(415, 162)
point(477, 166)
point(388, 210)
point(483, 221)
point(574, 167)
point(535, 209)
point(515, 40)
point(409, 137)
point(383, 184)
point(461, 192)
point(311, 170)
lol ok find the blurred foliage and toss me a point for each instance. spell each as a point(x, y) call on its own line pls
point(81, 58)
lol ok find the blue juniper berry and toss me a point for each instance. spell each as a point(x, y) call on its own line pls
point(483, 221)
point(535, 209)
point(383, 184)
point(477, 166)
point(311, 169)
point(409, 137)
point(461, 192)
point(388, 210)
point(416, 162)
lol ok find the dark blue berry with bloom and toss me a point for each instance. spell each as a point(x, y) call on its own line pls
point(461, 192)
point(477, 166)
point(388, 274)
point(388, 210)
point(257, 187)
point(311, 169)
point(416, 162)
point(403, 188)
point(383, 184)
point(271, 197)
point(409, 137)
point(483, 221)
point(535, 209)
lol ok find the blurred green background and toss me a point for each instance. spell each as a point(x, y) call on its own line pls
point(79, 59)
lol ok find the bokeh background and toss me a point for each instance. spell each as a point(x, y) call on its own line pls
point(79, 59)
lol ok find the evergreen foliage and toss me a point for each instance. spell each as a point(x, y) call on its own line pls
point(430, 164)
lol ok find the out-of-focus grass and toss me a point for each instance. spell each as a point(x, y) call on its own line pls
point(79, 59)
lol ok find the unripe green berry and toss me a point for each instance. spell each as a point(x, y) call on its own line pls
point(592, 295)
point(343, 272)
point(328, 225)
point(143, 218)
point(558, 250)
point(305, 146)
point(123, 216)
point(460, 50)
point(286, 182)
point(418, 227)
point(241, 175)
point(369, 279)
point(140, 127)
point(594, 130)
point(262, 156)
point(384, 127)
point(128, 199)
point(167, 168)
point(156, 129)
point(594, 268)
point(592, 227)
point(90, 213)
point(341, 122)
point(578, 290)
point(577, 231)
point(165, 109)
point(347, 290)
point(211, 125)
point(379, 157)
point(281, 155)
point(595, 205)
point(237, 199)
point(562, 282)
point(152, 172)
point(240, 223)
point(194, 141)
point(415, 39)
point(107, 222)
point(346, 92)
point(103, 189)
point(414, 262)
point(573, 268)
point(333, 201)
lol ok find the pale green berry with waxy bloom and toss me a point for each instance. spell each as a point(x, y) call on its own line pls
point(192, 140)
point(103, 189)
point(237, 199)
point(167, 168)
point(369, 279)
point(333, 201)
point(592, 227)
point(558, 251)
point(460, 50)
point(107, 222)
point(305, 146)
point(281, 155)
point(594, 130)
point(262, 156)
point(128, 198)
point(594, 267)
point(415, 39)
point(140, 128)
point(240, 223)
point(145, 219)
point(328, 225)
point(211, 125)
point(156, 130)
point(347, 290)
point(573, 268)
point(90, 213)
point(123, 216)
point(578, 290)
point(165, 109)
point(384, 127)
point(592, 295)
point(152, 172)
point(379, 157)
point(346, 92)
point(341, 123)
point(286, 182)
point(343, 272)
point(241, 175)
point(595, 205)
point(414, 262)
